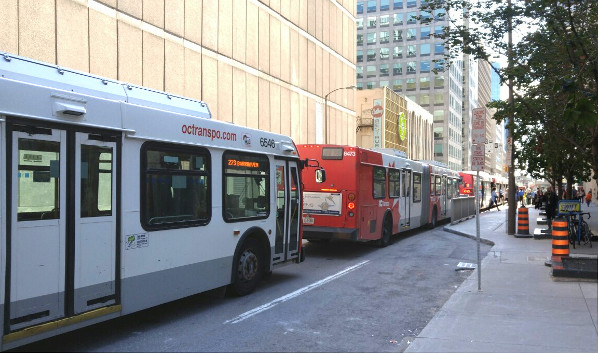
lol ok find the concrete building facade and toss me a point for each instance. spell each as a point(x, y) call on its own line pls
point(266, 64)
point(396, 50)
point(388, 120)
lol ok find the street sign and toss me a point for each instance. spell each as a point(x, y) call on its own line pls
point(478, 126)
point(377, 111)
point(478, 159)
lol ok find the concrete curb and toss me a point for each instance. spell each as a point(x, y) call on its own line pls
point(482, 240)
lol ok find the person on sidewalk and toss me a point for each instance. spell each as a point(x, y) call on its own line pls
point(494, 200)
point(551, 206)
point(589, 198)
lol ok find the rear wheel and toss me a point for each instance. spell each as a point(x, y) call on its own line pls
point(248, 267)
point(386, 235)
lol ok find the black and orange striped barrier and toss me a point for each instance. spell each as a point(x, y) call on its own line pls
point(522, 221)
point(560, 242)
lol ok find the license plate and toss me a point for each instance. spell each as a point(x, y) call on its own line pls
point(308, 220)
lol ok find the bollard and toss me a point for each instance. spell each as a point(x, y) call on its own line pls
point(560, 242)
point(522, 221)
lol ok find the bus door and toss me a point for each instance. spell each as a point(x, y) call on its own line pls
point(288, 198)
point(406, 197)
point(95, 222)
point(443, 198)
point(59, 257)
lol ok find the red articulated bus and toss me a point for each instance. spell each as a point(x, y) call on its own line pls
point(487, 182)
point(368, 195)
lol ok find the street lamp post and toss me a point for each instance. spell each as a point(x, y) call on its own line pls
point(326, 110)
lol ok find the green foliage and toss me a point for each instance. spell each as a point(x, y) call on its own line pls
point(554, 71)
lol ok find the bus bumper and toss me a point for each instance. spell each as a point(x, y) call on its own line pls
point(327, 233)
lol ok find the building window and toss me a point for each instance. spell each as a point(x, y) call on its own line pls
point(438, 49)
point(383, 83)
point(410, 85)
point(438, 31)
point(424, 50)
point(438, 133)
point(384, 21)
point(439, 14)
point(397, 52)
point(411, 17)
point(397, 34)
point(438, 99)
point(384, 5)
point(438, 115)
point(359, 70)
point(359, 23)
point(411, 50)
point(397, 85)
point(372, 38)
point(371, 71)
point(438, 150)
point(359, 39)
point(371, 54)
point(397, 69)
point(424, 32)
point(370, 85)
point(384, 37)
point(424, 99)
point(360, 7)
point(424, 66)
point(438, 81)
point(411, 3)
point(398, 19)
point(371, 22)
point(371, 5)
point(384, 69)
point(359, 85)
point(439, 65)
point(424, 83)
point(384, 53)
point(426, 17)
point(359, 56)
point(411, 33)
point(411, 67)
point(397, 4)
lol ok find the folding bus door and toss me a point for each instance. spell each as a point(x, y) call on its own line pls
point(62, 233)
point(95, 222)
point(288, 197)
point(37, 238)
point(443, 198)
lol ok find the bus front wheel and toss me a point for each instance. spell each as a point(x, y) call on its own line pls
point(249, 267)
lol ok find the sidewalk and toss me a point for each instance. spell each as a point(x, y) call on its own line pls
point(521, 307)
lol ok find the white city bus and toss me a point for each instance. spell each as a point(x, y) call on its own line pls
point(115, 198)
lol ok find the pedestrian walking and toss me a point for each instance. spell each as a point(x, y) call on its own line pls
point(494, 199)
point(589, 198)
point(551, 205)
point(582, 195)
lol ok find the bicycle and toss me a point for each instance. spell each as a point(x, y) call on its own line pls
point(583, 235)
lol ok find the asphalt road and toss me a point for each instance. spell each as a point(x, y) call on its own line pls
point(344, 298)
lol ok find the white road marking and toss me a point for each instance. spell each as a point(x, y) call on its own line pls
point(298, 292)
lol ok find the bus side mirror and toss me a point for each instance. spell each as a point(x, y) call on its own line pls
point(320, 176)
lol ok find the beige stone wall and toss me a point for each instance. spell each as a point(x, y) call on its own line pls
point(261, 63)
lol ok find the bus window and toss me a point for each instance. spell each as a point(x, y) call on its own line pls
point(438, 185)
point(379, 176)
point(394, 186)
point(417, 187)
point(176, 186)
point(246, 186)
point(96, 181)
point(38, 176)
